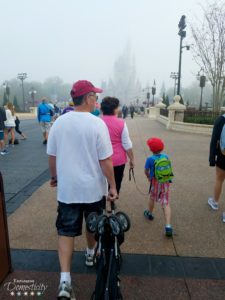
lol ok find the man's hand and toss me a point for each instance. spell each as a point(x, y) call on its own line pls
point(112, 195)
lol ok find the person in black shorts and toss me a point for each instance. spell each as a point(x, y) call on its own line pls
point(81, 180)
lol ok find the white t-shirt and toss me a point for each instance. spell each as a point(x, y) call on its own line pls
point(10, 120)
point(79, 140)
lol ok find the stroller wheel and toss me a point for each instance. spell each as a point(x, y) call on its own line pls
point(91, 222)
point(115, 225)
point(124, 220)
point(100, 227)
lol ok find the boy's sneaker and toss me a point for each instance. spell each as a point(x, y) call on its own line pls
point(168, 231)
point(65, 291)
point(213, 204)
point(148, 215)
point(223, 216)
point(89, 260)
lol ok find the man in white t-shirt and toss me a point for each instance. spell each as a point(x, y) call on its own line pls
point(80, 151)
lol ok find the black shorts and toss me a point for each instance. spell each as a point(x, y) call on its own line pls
point(70, 216)
point(220, 160)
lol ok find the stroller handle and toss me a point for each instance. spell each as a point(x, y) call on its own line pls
point(112, 204)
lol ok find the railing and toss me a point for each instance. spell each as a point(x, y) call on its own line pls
point(200, 117)
point(164, 112)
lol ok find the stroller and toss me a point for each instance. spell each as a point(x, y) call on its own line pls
point(109, 234)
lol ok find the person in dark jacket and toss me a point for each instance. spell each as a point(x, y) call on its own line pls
point(17, 128)
point(124, 111)
point(132, 111)
point(216, 158)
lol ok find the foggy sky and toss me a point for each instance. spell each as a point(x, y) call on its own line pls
point(82, 39)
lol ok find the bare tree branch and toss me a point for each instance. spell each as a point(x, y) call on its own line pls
point(209, 48)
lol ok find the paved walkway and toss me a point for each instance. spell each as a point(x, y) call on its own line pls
point(199, 232)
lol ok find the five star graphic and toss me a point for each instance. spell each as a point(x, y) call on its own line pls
point(25, 294)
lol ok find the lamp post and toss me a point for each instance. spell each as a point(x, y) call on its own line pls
point(202, 79)
point(175, 76)
point(22, 77)
point(7, 89)
point(32, 94)
point(182, 34)
point(148, 95)
point(153, 92)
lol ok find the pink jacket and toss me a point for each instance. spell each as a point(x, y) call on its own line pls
point(115, 127)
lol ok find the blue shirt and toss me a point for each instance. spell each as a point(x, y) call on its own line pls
point(44, 113)
point(150, 163)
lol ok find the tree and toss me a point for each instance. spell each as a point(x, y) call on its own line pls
point(209, 48)
point(163, 88)
point(15, 103)
point(167, 101)
point(7, 91)
point(5, 99)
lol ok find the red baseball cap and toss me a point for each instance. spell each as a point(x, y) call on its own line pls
point(83, 87)
point(155, 144)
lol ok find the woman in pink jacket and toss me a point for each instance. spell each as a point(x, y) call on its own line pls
point(119, 135)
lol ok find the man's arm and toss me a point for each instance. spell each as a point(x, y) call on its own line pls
point(107, 170)
point(52, 168)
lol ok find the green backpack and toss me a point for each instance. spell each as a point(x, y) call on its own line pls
point(163, 170)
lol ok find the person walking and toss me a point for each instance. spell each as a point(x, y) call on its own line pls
point(124, 111)
point(81, 180)
point(3, 150)
point(44, 115)
point(17, 128)
point(217, 159)
point(132, 111)
point(119, 135)
point(159, 191)
point(10, 123)
point(70, 107)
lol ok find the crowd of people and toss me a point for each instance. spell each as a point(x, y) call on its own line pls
point(99, 149)
point(9, 126)
point(96, 139)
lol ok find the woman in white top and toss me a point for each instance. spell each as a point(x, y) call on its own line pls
point(9, 123)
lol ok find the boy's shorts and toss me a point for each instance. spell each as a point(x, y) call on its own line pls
point(70, 216)
point(1, 135)
point(159, 192)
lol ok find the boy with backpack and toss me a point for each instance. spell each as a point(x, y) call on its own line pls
point(159, 173)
